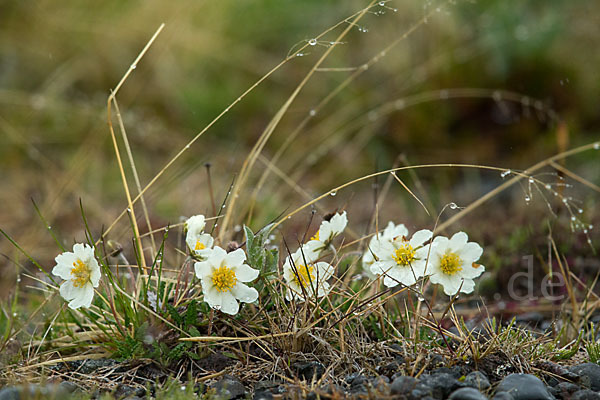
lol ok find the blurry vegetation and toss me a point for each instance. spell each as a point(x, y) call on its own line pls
point(59, 61)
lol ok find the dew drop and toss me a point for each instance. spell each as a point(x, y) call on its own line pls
point(580, 211)
point(564, 200)
point(299, 54)
point(420, 297)
point(504, 174)
point(573, 219)
point(531, 180)
point(597, 146)
point(18, 278)
point(183, 388)
point(333, 193)
point(312, 112)
point(591, 227)
point(547, 186)
point(187, 146)
point(312, 42)
point(15, 314)
point(133, 66)
point(382, 3)
point(453, 206)
point(527, 198)
point(223, 206)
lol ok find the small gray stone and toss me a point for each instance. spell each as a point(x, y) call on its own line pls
point(590, 375)
point(441, 385)
point(467, 393)
point(230, 388)
point(585, 394)
point(308, 370)
point(477, 380)
point(524, 387)
point(10, 393)
point(502, 396)
point(403, 384)
point(123, 391)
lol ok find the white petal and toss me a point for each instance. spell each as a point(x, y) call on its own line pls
point(79, 249)
point(244, 293)
point(324, 271)
point(244, 273)
point(64, 265)
point(441, 242)
point(67, 290)
point(471, 252)
point(399, 274)
point(468, 286)
point(95, 274)
point(203, 269)
point(217, 256)
point(235, 258)
point(381, 267)
point(470, 272)
point(195, 224)
point(449, 283)
point(338, 223)
point(229, 304)
point(393, 231)
point(312, 248)
point(458, 240)
point(420, 237)
point(325, 231)
point(323, 289)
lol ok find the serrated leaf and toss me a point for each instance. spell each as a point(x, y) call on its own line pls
point(191, 314)
point(175, 316)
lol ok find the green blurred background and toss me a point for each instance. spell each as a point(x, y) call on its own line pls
point(59, 60)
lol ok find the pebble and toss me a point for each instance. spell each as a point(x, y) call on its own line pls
point(585, 394)
point(33, 392)
point(467, 393)
point(477, 380)
point(230, 388)
point(123, 391)
point(308, 370)
point(403, 384)
point(589, 374)
point(440, 384)
point(524, 387)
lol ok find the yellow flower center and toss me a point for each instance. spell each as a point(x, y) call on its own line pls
point(304, 275)
point(315, 237)
point(81, 273)
point(450, 263)
point(224, 278)
point(404, 255)
point(199, 246)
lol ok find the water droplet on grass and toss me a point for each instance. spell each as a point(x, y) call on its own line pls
point(312, 112)
point(133, 66)
point(453, 206)
point(333, 193)
point(312, 42)
point(504, 174)
point(597, 146)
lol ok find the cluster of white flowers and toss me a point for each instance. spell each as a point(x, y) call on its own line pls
point(222, 275)
point(448, 262)
point(305, 276)
point(390, 254)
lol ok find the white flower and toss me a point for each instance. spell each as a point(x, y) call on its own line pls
point(452, 263)
point(390, 233)
point(304, 276)
point(222, 275)
point(199, 242)
point(401, 260)
point(81, 273)
point(327, 231)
